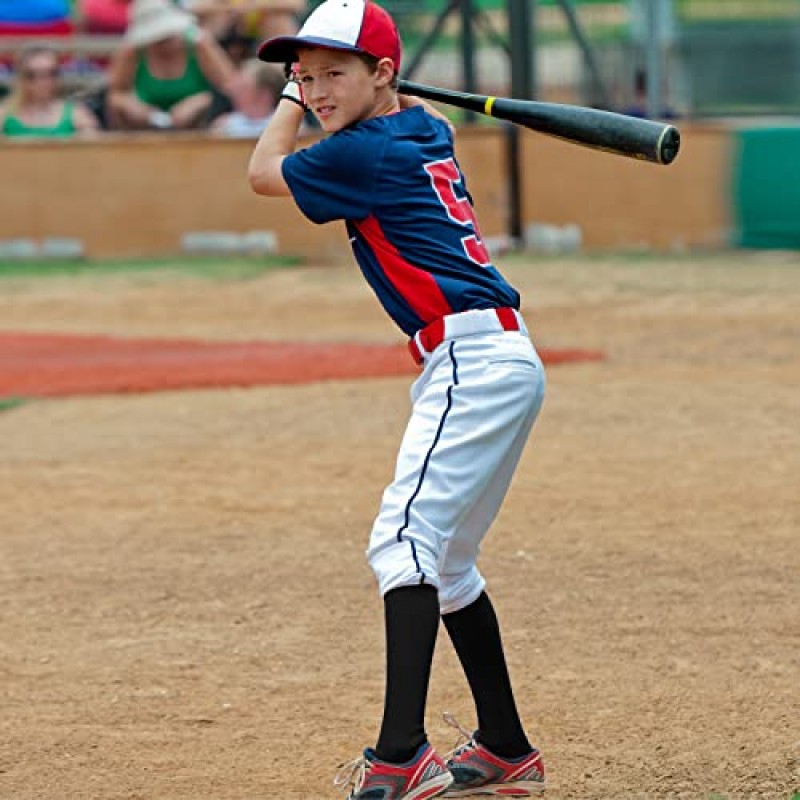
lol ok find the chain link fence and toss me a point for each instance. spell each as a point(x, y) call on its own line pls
point(740, 57)
point(709, 57)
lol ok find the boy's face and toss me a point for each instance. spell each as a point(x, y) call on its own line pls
point(339, 87)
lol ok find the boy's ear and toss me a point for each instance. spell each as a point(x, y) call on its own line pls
point(384, 72)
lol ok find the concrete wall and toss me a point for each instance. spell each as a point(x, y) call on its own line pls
point(623, 203)
point(137, 196)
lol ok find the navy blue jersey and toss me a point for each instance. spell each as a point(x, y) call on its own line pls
point(396, 183)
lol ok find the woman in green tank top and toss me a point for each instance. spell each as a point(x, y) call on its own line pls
point(34, 108)
point(164, 74)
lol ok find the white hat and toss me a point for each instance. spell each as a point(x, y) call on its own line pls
point(359, 26)
point(154, 20)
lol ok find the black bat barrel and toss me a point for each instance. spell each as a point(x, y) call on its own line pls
point(644, 139)
point(620, 134)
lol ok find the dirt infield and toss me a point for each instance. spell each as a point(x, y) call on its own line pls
point(187, 612)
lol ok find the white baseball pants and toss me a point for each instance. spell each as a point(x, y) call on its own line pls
point(473, 408)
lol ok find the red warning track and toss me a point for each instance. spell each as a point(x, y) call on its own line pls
point(48, 365)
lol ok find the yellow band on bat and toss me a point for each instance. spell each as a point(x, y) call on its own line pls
point(487, 108)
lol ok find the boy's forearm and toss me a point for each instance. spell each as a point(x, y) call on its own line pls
point(278, 140)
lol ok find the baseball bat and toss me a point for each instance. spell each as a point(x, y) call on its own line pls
point(620, 134)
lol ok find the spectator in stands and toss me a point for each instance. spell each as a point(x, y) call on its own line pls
point(238, 45)
point(218, 17)
point(164, 74)
point(35, 17)
point(108, 17)
point(254, 94)
point(268, 18)
point(35, 108)
point(257, 19)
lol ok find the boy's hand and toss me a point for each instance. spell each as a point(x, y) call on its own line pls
point(294, 91)
point(407, 101)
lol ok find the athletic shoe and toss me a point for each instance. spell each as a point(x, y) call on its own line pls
point(477, 771)
point(370, 778)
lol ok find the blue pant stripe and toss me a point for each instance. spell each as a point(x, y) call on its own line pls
point(406, 522)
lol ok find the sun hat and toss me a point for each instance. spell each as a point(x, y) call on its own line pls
point(154, 20)
point(356, 26)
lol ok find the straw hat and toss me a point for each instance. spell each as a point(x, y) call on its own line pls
point(154, 20)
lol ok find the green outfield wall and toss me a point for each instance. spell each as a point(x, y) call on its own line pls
point(766, 187)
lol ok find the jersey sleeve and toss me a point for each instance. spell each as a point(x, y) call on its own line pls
point(335, 178)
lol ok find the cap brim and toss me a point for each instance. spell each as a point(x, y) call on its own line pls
point(283, 49)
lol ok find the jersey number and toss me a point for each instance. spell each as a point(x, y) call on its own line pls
point(444, 176)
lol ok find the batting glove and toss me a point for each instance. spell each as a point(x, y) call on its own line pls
point(294, 91)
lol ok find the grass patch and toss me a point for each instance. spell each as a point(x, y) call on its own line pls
point(7, 403)
point(212, 267)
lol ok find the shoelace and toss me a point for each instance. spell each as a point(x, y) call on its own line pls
point(351, 775)
point(465, 738)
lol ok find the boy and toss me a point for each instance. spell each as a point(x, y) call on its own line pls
point(389, 171)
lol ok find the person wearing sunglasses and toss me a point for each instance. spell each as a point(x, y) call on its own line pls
point(35, 107)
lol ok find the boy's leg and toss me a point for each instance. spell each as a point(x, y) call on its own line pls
point(467, 611)
point(498, 759)
point(475, 634)
point(412, 620)
point(404, 552)
point(474, 629)
point(467, 427)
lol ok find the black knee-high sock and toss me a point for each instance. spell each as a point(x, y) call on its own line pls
point(475, 634)
point(412, 621)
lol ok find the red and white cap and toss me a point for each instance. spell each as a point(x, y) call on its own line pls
point(351, 25)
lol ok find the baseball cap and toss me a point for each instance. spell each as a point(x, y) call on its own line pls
point(358, 26)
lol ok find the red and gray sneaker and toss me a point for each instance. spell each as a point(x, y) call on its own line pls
point(372, 779)
point(477, 771)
